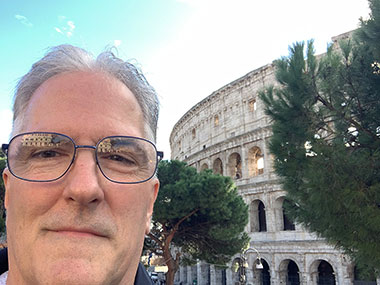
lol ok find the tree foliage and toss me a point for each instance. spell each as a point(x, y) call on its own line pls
point(199, 215)
point(326, 138)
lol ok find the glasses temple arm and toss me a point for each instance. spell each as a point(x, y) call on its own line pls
point(160, 155)
point(4, 148)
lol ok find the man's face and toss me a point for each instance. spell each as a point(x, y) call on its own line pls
point(82, 228)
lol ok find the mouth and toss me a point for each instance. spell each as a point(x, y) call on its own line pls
point(78, 232)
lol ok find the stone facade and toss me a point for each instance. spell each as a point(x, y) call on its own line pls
point(228, 132)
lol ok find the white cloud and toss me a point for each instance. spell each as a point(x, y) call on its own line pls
point(6, 125)
point(58, 30)
point(117, 43)
point(71, 25)
point(66, 29)
point(223, 40)
point(24, 20)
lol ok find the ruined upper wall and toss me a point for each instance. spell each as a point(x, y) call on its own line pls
point(232, 110)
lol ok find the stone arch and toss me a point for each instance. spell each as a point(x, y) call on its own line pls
point(255, 161)
point(265, 278)
point(258, 217)
point(216, 120)
point(289, 272)
point(288, 224)
point(204, 166)
point(193, 133)
point(252, 105)
point(283, 222)
point(234, 165)
point(322, 272)
point(217, 166)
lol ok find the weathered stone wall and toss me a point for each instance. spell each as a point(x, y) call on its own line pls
point(228, 132)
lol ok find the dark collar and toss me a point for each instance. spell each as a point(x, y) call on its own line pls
point(142, 277)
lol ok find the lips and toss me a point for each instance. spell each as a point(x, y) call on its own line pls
point(79, 227)
point(79, 232)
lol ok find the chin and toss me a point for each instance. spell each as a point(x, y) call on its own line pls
point(75, 271)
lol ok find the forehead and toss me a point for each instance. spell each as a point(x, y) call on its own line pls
point(75, 102)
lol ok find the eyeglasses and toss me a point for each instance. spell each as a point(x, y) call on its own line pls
point(47, 156)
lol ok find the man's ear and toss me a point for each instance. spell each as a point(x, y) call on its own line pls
point(153, 197)
point(6, 182)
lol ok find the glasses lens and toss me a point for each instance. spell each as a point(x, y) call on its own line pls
point(127, 159)
point(40, 156)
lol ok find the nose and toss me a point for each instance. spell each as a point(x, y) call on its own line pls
point(83, 180)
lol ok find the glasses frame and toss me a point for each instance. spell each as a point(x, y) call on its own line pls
point(159, 157)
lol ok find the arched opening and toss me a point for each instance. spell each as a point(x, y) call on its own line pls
point(326, 275)
point(293, 277)
point(265, 273)
point(204, 166)
point(216, 120)
point(257, 216)
point(234, 166)
point(255, 162)
point(288, 223)
point(217, 167)
point(262, 218)
point(252, 105)
point(289, 272)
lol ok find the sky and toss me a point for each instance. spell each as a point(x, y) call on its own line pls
point(186, 48)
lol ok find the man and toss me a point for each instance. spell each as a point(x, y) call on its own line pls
point(80, 181)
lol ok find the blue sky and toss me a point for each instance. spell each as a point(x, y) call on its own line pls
point(186, 48)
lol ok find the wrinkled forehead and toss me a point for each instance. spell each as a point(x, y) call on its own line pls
point(72, 99)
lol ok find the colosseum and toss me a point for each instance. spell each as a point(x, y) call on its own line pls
point(228, 132)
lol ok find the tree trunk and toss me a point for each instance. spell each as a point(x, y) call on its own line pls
point(172, 266)
point(170, 276)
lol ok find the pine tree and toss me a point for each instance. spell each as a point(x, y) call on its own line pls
point(199, 214)
point(326, 138)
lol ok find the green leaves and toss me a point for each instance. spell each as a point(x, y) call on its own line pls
point(332, 106)
point(203, 210)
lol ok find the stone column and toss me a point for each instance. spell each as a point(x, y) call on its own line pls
point(194, 274)
point(229, 277)
point(304, 278)
point(212, 275)
point(200, 274)
point(244, 162)
point(275, 277)
point(183, 274)
point(189, 278)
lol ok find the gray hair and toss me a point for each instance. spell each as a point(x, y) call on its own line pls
point(67, 58)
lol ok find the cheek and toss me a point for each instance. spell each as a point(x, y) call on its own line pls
point(26, 201)
point(128, 206)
